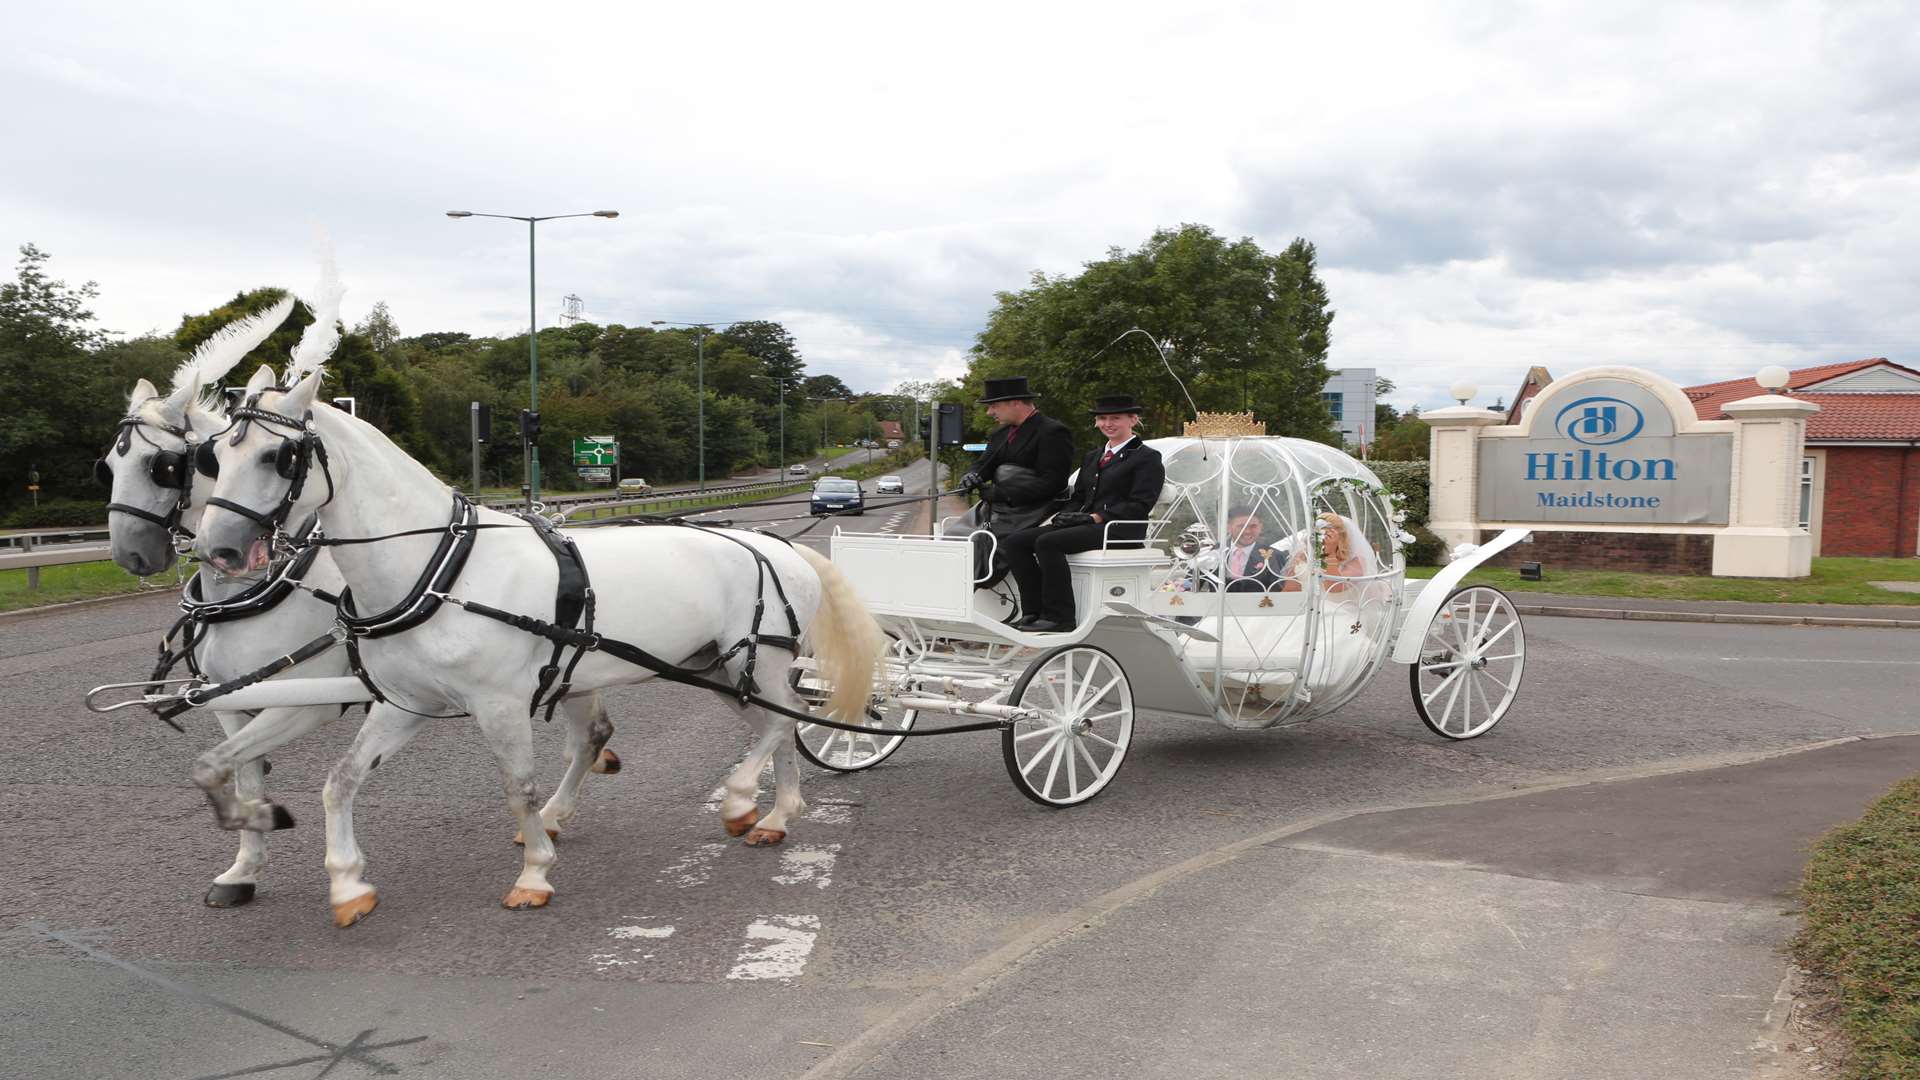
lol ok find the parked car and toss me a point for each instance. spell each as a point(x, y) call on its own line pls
point(893, 444)
point(834, 494)
point(634, 485)
point(797, 470)
point(889, 485)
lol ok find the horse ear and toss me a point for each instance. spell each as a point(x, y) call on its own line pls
point(261, 380)
point(300, 398)
point(142, 391)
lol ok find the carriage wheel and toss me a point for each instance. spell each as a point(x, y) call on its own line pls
point(850, 751)
point(1470, 663)
point(1074, 745)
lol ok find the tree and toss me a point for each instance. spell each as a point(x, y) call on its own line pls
point(379, 328)
point(1404, 441)
point(825, 386)
point(767, 342)
point(274, 351)
point(57, 402)
point(1243, 329)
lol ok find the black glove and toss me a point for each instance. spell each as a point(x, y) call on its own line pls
point(1070, 518)
point(972, 482)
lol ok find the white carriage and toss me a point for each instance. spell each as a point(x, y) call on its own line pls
point(1181, 627)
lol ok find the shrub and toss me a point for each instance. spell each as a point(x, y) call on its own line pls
point(1426, 549)
point(56, 514)
point(1409, 478)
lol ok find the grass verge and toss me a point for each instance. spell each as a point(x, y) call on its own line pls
point(1862, 891)
point(75, 581)
point(1833, 581)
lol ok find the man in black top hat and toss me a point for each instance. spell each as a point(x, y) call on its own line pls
point(1023, 472)
point(1118, 482)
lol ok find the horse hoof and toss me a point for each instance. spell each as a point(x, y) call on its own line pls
point(765, 837)
point(736, 826)
point(352, 911)
point(230, 895)
point(281, 818)
point(520, 899)
point(607, 762)
point(521, 838)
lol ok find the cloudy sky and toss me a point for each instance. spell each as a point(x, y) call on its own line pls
point(1700, 189)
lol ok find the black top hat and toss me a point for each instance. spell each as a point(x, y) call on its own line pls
point(1013, 388)
point(1114, 403)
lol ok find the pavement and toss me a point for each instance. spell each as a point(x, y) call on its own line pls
point(1882, 616)
point(1626, 928)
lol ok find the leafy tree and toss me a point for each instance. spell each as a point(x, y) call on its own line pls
point(767, 342)
point(57, 402)
point(379, 328)
point(1404, 441)
point(274, 351)
point(1244, 329)
point(825, 386)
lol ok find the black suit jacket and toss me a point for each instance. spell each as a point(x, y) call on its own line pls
point(1043, 446)
point(1123, 491)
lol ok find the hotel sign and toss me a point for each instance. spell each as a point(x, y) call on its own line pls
point(1608, 451)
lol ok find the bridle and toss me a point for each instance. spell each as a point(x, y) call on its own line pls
point(168, 469)
point(293, 461)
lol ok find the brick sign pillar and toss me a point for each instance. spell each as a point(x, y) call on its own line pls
point(1764, 537)
point(1453, 440)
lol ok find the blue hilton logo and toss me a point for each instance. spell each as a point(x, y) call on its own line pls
point(1599, 421)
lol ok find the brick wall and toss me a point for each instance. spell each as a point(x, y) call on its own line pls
point(1653, 553)
point(1872, 504)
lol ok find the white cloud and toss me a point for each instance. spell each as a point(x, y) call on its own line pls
point(1699, 189)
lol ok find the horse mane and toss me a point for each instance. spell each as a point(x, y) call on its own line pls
point(227, 347)
point(321, 336)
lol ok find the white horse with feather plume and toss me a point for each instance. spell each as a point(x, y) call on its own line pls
point(155, 503)
point(686, 595)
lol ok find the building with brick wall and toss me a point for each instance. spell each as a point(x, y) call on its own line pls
point(1860, 471)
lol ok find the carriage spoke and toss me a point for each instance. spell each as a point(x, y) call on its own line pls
point(1097, 717)
point(1073, 768)
point(1059, 748)
point(1035, 733)
point(1098, 697)
point(1453, 698)
point(1504, 631)
point(1092, 765)
point(1102, 740)
point(1427, 699)
point(1027, 769)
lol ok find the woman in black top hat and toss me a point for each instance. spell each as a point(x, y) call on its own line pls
point(1118, 482)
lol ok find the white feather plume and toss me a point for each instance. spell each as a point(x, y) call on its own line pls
point(322, 336)
point(228, 346)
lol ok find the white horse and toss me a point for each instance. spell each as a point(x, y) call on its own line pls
point(683, 594)
point(155, 502)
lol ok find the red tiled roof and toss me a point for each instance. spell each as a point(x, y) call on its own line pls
point(1841, 415)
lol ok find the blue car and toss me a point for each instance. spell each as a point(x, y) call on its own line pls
point(832, 494)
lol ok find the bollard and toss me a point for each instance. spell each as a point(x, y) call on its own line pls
point(33, 572)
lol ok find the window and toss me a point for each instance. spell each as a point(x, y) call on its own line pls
point(1806, 491)
point(1336, 405)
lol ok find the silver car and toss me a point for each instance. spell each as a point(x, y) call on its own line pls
point(889, 485)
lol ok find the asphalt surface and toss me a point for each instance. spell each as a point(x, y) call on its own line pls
point(918, 902)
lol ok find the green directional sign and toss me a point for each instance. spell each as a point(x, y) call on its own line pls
point(595, 450)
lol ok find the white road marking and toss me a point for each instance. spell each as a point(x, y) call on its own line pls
point(777, 947)
point(633, 955)
point(833, 813)
point(695, 867)
point(808, 866)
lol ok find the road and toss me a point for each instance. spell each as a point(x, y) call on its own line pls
point(670, 952)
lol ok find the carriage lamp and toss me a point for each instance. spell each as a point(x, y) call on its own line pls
point(1773, 378)
point(1463, 392)
point(1530, 571)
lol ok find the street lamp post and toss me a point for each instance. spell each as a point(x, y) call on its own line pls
point(530, 448)
point(781, 382)
point(700, 384)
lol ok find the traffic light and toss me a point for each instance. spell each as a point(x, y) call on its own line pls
point(529, 425)
point(482, 422)
point(952, 429)
point(926, 426)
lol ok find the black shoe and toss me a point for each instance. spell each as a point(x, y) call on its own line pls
point(1046, 626)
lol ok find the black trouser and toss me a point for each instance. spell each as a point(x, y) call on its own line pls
point(1037, 559)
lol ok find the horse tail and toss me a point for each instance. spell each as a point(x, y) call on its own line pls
point(847, 642)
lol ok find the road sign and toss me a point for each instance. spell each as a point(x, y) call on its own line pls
point(974, 447)
point(596, 474)
point(595, 450)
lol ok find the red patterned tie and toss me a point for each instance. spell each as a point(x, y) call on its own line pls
point(1106, 457)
